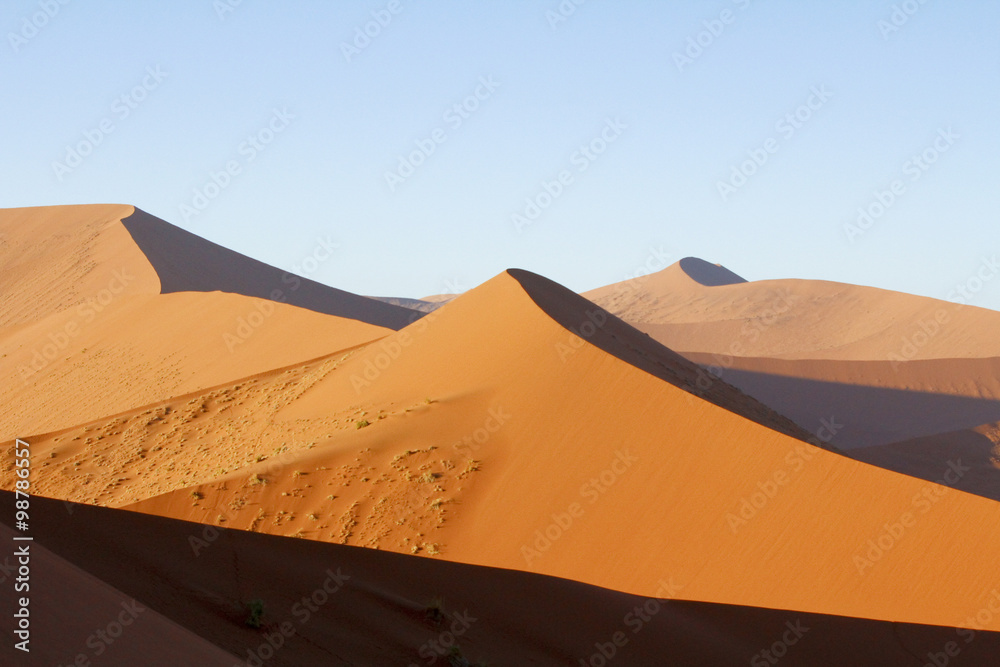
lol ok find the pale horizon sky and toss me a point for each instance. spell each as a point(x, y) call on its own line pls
point(745, 132)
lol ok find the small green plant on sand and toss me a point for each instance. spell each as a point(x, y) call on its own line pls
point(255, 611)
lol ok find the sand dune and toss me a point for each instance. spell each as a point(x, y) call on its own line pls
point(977, 449)
point(91, 326)
point(583, 435)
point(875, 402)
point(796, 319)
point(56, 257)
point(422, 305)
point(74, 613)
point(331, 604)
point(886, 368)
point(519, 426)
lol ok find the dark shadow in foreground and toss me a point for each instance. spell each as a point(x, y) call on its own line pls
point(322, 603)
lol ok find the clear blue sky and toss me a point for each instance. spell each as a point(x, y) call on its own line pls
point(673, 130)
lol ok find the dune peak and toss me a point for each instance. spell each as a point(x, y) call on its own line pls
point(707, 274)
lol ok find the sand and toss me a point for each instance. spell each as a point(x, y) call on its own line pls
point(87, 330)
point(519, 447)
point(796, 319)
point(333, 604)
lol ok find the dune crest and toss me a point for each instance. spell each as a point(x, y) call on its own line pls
point(708, 275)
point(188, 263)
point(93, 324)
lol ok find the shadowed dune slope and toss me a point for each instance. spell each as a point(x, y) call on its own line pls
point(709, 275)
point(974, 451)
point(187, 263)
point(904, 379)
point(74, 614)
point(422, 305)
point(875, 402)
point(343, 605)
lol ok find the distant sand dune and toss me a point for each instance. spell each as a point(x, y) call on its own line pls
point(875, 402)
point(931, 457)
point(796, 319)
point(709, 275)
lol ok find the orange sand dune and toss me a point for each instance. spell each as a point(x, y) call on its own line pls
point(92, 324)
point(331, 604)
point(878, 368)
point(521, 445)
point(519, 426)
point(56, 257)
point(693, 306)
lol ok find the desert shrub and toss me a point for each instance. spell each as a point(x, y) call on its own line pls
point(255, 611)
